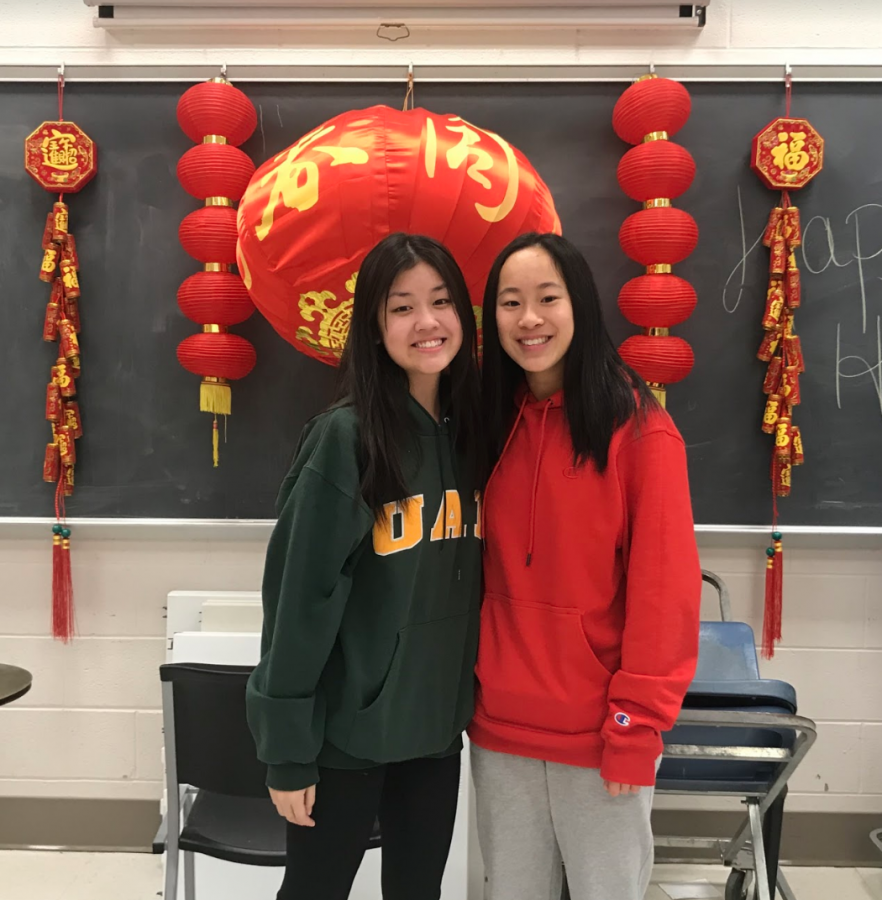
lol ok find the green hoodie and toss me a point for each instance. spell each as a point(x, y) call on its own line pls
point(370, 629)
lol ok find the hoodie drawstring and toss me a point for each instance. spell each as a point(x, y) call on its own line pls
point(536, 484)
point(508, 441)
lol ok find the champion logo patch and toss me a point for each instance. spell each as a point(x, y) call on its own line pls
point(623, 719)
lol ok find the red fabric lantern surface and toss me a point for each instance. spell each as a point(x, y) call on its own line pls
point(653, 301)
point(656, 169)
point(660, 360)
point(215, 170)
point(209, 234)
point(649, 106)
point(215, 297)
point(312, 212)
point(217, 355)
point(216, 108)
point(659, 236)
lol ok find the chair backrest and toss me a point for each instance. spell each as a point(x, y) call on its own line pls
point(213, 748)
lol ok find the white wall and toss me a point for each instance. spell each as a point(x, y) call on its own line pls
point(90, 727)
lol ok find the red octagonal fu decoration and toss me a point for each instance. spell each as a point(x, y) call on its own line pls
point(61, 157)
point(312, 213)
point(787, 154)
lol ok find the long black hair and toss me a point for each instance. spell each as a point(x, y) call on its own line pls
point(599, 387)
point(378, 388)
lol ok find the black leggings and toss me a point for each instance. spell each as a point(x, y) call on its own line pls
point(416, 804)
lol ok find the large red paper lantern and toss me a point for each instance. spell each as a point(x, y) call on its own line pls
point(312, 212)
point(655, 172)
point(220, 117)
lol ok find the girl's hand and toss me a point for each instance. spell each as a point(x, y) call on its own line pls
point(614, 789)
point(295, 806)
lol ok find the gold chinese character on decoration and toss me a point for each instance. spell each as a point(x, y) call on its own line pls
point(59, 151)
point(296, 181)
point(483, 162)
point(789, 154)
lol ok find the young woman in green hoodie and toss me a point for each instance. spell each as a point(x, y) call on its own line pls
point(371, 590)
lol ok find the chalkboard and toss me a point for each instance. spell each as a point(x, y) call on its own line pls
point(146, 449)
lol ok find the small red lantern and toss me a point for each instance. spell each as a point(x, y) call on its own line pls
point(209, 234)
point(217, 296)
point(649, 299)
point(659, 236)
point(655, 172)
point(220, 117)
point(222, 168)
point(650, 107)
point(658, 357)
point(656, 169)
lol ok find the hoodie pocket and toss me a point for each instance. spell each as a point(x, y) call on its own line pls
point(414, 713)
point(536, 668)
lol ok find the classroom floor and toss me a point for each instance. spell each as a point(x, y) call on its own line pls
point(45, 875)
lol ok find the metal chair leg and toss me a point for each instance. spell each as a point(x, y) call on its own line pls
point(784, 888)
point(189, 875)
point(171, 869)
point(773, 823)
point(759, 850)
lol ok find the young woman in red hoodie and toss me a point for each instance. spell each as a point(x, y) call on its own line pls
point(589, 624)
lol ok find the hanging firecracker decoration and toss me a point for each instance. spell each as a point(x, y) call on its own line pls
point(786, 155)
point(219, 117)
point(655, 172)
point(313, 212)
point(61, 158)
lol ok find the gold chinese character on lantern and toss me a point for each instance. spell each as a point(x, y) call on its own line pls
point(483, 161)
point(59, 151)
point(296, 181)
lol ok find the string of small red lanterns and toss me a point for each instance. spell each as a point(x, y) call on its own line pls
point(655, 172)
point(219, 117)
point(61, 158)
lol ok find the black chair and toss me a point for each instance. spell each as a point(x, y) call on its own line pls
point(223, 809)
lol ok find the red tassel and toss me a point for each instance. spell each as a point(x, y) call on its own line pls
point(774, 591)
point(62, 580)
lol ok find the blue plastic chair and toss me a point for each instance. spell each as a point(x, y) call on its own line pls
point(738, 735)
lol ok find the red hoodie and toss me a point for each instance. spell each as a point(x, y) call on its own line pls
point(589, 626)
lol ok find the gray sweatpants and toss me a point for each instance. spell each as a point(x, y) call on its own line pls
point(534, 815)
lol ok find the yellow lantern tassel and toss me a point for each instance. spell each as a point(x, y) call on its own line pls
point(215, 443)
point(215, 396)
point(659, 392)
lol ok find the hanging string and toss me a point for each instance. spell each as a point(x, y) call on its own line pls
point(60, 95)
point(788, 91)
point(408, 97)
